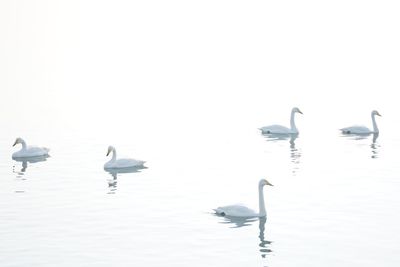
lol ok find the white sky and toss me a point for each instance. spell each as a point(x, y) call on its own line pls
point(109, 60)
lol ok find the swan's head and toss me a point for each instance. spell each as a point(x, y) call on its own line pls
point(374, 112)
point(19, 140)
point(295, 109)
point(109, 150)
point(264, 182)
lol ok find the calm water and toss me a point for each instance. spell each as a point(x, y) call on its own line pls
point(335, 199)
point(185, 85)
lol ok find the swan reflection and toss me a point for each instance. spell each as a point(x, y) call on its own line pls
point(25, 161)
point(356, 136)
point(295, 153)
point(112, 183)
point(374, 145)
point(264, 244)
point(237, 222)
point(277, 137)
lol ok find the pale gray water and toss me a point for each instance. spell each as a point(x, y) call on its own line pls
point(185, 87)
point(334, 203)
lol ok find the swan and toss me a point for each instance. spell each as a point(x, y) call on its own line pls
point(279, 129)
point(29, 151)
point(115, 163)
point(243, 211)
point(362, 129)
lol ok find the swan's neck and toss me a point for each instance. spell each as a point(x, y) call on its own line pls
point(261, 203)
point(376, 135)
point(292, 124)
point(376, 130)
point(23, 144)
point(114, 155)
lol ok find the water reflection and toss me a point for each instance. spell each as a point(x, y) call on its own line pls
point(295, 153)
point(112, 183)
point(264, 244)
point(374, 145)
point(25, 161)
point(278, 137)
point(356, 136)
point(237, 222)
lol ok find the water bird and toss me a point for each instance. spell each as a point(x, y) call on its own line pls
point(115, 163)
point(356, 129)
point(29, 151)
point(239, 210)
point(279, 129)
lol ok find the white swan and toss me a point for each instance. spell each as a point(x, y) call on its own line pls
point(279, 129)
point(243, 211)
point(115, 163)
point(29, 151)
point(362, 129)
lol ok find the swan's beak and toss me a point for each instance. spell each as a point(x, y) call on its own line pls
point(379, 114)
point(268, 183)
point(108, 153)
point(16, 142)
point(300, 111)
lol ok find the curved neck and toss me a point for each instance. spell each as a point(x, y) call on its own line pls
point(23, 144)
point(114, 155)
point(292, 124)
point(376, 130)
point(261, 203)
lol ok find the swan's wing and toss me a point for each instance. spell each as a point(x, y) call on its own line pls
point(33, 159)
point(277, 129)
point(356, 129)
point(31, 151)
point(235, 211)
point(126, 163)
point(36, 149)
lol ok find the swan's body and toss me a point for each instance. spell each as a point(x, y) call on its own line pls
point(29, 151)
point(243, 211)
point(279, 129)
point(362, 129)
point(276, 129)
point(356, 129)
point(237, 210)
point(123, 163)
point(115, 163)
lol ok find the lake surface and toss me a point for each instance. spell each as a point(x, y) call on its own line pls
point(184, 86)
point(334, 202)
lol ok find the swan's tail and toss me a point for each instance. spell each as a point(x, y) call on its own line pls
point(262, 130)
point(218, 211)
